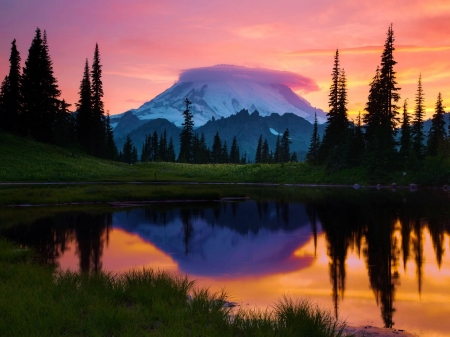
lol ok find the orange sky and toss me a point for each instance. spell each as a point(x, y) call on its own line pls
point(144, 44)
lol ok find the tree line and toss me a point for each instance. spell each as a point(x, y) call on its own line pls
point(30, 104)
point(372, 140)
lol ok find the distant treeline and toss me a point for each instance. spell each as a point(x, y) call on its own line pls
point(372, 140)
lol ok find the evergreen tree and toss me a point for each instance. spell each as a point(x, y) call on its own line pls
point(154, 148)
point(186, 135)
point(312, 157)
point(417, 134)
point(294, 157)
point(204, 156)
point(285, 147)
point(39, 91)
point(65, 132)
point(258, 151)
point(405, 137)
point(170, 151)
point(111, 147)
point(10, 97)
point(234, 152)
point(337, 122)
point(146, 146)
point(98, 138)
point(224, 156)
point(196, 149)
point(134, 156)
point(277, 155)
point(127, 151)
point(357, 145)
point(437, 134)
point(381, 118)
point(163, 146)
point(84, 111)
point(265, 154)
point(216, 152)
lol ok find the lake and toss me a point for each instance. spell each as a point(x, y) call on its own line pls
point(378, 257)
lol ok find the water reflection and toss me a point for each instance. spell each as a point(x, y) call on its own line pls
point(252, 239)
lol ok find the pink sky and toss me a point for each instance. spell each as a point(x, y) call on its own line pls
point(145, 44)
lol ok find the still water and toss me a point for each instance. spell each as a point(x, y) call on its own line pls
point(372, 257)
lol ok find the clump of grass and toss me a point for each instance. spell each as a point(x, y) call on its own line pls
point(39, 300)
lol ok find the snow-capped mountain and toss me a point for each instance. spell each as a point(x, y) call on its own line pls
point(223, 90)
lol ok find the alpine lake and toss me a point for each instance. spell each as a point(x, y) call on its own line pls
point(372, 256)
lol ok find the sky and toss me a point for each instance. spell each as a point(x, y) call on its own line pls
point(146, 44)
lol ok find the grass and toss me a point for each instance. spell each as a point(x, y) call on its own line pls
point(37, 300)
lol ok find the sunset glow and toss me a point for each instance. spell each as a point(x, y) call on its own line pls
point(145, 45)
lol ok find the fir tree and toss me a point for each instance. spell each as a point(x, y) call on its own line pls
point(216, 152)
point(337, 121)
point(84, 111)
point(154, 147)
point(224, 156)
point(186, 135)
point(170, 151)
point(312, 157)
point(277, 155)
point(134, 156)
point(381, 118)
point(405, 137)
point(65, 131)
point(204, 156)
point(417, 134)
point(39, 91)
point(258, 151)
point(285, 147)
point(98, 138)
point(111, 147)
point(265, 154)
point(10, 101)
point(127, 151)
point(163, 146)
point(146, 146)
point(437, 134)
point(234, 152)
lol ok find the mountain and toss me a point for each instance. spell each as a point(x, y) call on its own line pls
point(245, 126)
point(223, 90)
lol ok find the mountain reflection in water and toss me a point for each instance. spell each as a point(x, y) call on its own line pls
point(256, 239)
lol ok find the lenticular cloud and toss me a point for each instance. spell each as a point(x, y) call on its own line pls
point(259, 75)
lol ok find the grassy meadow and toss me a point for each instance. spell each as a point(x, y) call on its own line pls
point(38, 300)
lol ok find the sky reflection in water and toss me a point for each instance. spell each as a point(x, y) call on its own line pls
point(378, 260)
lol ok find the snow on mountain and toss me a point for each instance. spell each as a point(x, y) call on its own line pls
point(223, 90)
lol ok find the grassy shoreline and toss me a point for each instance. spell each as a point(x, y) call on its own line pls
point(39, 300)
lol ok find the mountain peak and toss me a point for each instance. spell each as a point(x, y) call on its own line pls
point(222, 90)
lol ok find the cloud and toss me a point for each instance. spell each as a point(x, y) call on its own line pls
point(259, 75)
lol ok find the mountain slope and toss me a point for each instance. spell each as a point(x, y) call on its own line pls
point(223, 90)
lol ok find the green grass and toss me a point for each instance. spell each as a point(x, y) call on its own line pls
point(37, 300)
point(24, 160)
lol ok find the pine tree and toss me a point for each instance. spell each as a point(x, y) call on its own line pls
point(405, 137)
point(331, 147)
point(134, 156)
point(111, 147)
point(437, 134)
point(65, 131)
point(10, 101)
point(84, 111)
point(285, 147)
point(417, 134)
point(381, 118)
point(216, 152)
point(186, 135)
point(312, 157)
point(171, 151)
point(98, 145)
point(127, 151)
point(155, 147)
point(234, 152)
point(146, 146)
point(265, 154)
point(277, 155)
point(204, 151)
point(39, 91)
point(224, 156)
point(258, 151)
point(163, 146)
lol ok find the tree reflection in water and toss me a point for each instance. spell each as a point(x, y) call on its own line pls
point(385, 228)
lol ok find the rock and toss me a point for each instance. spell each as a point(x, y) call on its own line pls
point(413, 187)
